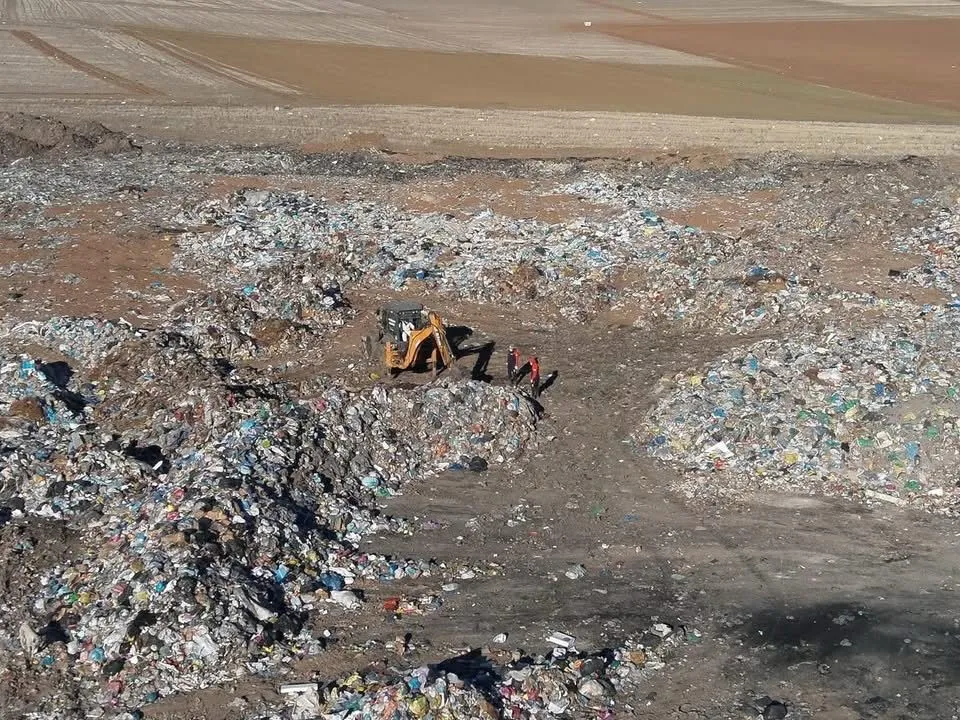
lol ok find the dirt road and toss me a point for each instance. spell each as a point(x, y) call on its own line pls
point(772, 583)
point(437, 132)
point(840, 611)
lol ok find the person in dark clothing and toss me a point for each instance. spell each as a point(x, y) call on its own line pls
point(535, 376)
point(513, 365)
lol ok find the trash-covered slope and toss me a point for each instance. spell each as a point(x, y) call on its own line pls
point(216, 512)
point(873, 413)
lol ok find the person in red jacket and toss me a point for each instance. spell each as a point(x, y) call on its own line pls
point(535, 376)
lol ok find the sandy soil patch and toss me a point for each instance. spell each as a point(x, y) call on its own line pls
point(729, 214)
point(92, 268)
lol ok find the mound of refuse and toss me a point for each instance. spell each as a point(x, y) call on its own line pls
point(271, 316)
point(217, 512)
point(871, 414)
point(671, 272)
point(938, 243)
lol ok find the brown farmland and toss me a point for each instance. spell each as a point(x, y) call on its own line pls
point(331, 74)
point(916, 60)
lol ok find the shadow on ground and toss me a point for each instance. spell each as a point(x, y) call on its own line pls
point(882, 662)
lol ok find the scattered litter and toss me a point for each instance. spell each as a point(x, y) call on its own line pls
point(562, 640)
point(574, 684)
point(687, 276)
point(938, 243)
point(661, 630)
point(303, 700)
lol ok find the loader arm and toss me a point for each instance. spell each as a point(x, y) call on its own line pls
point(413, 354)
point(440, 338)
point(404, 361)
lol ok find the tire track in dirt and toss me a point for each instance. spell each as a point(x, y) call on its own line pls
point(824, 5)
point(631, 11)
point(76, 63)
point(10, 11)
point(213, 68)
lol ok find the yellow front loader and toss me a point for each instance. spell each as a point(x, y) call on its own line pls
point(413, 337)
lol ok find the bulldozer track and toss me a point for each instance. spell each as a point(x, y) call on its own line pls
point(76, 63)
point(210, 67)
point(10, 11)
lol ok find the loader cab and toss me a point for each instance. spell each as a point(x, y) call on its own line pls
point(398, 319)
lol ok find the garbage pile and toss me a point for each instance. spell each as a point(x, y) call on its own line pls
point(669, 272)
point(219, 512)
point(84, 341)
point(275, 316)
point(634, 192)
point(448, 426)
point(260, 231)
point(939, 243)
point(564, 683)
point(285, 255)
point(871, 413)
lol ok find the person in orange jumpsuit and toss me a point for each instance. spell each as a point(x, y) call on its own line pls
point(535, 376)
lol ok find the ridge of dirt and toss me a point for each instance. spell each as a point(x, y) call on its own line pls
point(439, 132)
point(23, 135)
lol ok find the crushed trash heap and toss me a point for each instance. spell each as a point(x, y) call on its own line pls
point(635, 258)
point(937, 242)
point(873, 413)
point(217, 512)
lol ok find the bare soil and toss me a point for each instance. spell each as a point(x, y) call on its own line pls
point(92, 268)
point(23, 135)
point(511, 197)
point(915, 60)
point(424, 133)
point(361, 75)
point(500, 79)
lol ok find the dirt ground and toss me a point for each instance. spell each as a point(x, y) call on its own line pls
point(422, 133)
point(598, 78)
